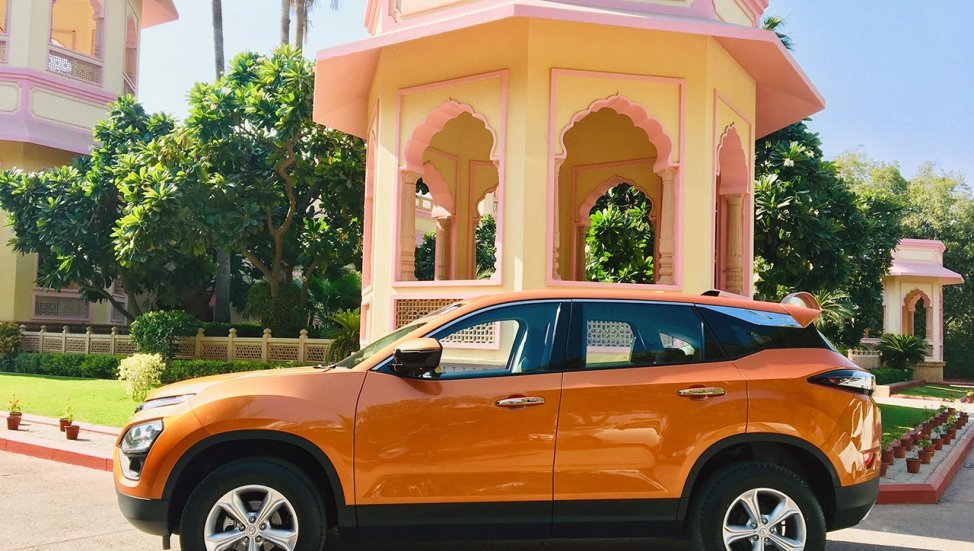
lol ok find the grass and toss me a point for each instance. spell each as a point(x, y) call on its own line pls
point(899, 419)
point(944, 392)
point(95, 401)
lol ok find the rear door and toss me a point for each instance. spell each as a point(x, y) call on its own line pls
point(648, 392)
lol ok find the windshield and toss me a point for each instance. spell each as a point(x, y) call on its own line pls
point(367, 352)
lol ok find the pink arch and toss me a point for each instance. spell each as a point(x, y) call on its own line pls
point(602, 189)
point(914, 297)
point(442, 198)
point(640, 118)
point(434, 122)
point(732, 164)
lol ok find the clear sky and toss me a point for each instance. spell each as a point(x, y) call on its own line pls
point(898, 76)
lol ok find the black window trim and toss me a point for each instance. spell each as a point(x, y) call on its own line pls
point(558, 348)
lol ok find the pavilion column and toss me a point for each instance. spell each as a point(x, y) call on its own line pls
point(667, 228)
point(444, 241)
point(556, 237)
point(407, 227)
point(735, 244)
point(581, 230)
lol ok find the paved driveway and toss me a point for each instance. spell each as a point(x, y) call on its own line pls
point(54, 507)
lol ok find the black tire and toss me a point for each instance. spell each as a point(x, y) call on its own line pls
point(720, 490)
point(281, 476)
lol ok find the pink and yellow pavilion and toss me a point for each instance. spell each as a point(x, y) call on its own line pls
point(528, 111)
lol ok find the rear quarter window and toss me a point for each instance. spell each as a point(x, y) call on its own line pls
point(741, 331)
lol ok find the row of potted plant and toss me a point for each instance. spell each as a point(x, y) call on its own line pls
point(918, 446)
point(16, 414)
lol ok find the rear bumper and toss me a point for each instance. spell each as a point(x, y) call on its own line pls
point(148, 515)
point(853, 503)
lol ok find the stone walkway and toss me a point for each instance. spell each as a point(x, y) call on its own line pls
point(41, 437)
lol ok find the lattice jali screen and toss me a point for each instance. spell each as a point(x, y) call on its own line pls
point(67, 64)
point(29, 343)
point(315, 352)
point(124, 345)
point(409, 310)
point(214, 351)
point(609, 334)
point(3, 50)
point(283, 353)
point(60, 307)
point(51, 344)
point(76, 343)
point(185, 348)
point(249, 351)
point(100, 345)
point(481, 334)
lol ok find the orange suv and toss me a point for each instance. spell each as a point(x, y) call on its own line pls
point(523, 415)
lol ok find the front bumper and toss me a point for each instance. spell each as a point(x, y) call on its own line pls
point(148, 515)
point(853, 503)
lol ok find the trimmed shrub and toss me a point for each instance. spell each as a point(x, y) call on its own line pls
point(888, 376)
point(901, 351)
point(156, 332)
point(63, 365)
point(140, 374)
point(9, 339)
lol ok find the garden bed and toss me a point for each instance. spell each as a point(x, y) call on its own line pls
point(934, 391)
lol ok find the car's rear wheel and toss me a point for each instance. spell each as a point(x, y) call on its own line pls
point(254, 505)
point(751, 506)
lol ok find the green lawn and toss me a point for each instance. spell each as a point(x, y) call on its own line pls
point(94, 401)
point(899, 419)
point(944, 392)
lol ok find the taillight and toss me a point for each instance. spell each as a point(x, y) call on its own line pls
point(847, 379)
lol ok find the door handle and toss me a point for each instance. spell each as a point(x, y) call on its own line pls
point(520, 402)
point(702, 392)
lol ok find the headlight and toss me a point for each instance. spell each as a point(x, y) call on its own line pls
point(140, 438)
point(163, 402)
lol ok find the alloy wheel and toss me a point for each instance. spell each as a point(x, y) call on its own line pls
point(251, 518)
point(763, 518)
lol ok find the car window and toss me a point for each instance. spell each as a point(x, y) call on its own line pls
point(507, 340)
point(742, 331)
point(632, 334)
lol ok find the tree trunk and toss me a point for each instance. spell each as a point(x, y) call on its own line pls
point(285, 22)
point(301, 25)
point(221, 310)
point(219, 58)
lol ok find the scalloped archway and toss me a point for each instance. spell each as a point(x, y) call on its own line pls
point(622, 105)
point(585, 208)
point(434, 122)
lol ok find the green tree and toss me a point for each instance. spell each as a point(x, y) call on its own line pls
point(485, 238)
point(620, 242)
point(425, 258)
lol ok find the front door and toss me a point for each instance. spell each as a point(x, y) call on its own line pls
point(648, 393)
point(471, 445)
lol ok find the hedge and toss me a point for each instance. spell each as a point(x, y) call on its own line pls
point(106, 367)
point(888, 375)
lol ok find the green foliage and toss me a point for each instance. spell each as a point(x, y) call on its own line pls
point(836, 310)
point(485, 240)
point(888, 375)
point(284, 314)
point(425, 258)
point(775, 24)
point(140, 373)
point(13, 405)
point(342, 291)
point(9, 339)
point(156, 332)
point(345, 336)
point(216, 329)
point(901, 351)
point(620, 243)
point(63, 365)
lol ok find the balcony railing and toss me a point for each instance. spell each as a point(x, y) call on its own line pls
point(72, 64)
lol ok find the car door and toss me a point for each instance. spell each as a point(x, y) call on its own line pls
point(471, 445)
point(648, 393)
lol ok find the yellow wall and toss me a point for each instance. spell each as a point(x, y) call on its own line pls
point(3, 16)
point(73, 25)
point(672, 70)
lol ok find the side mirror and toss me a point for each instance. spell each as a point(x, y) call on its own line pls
point(417, 357)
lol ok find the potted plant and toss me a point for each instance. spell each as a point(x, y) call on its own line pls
point(925, 451)
point(67, 418)
point(887, 456)
point(906, 441)
point(945, 435)
point(14, 414)
point(899, 452)
point(883, 467)
point(913, 463)
point(71, 431)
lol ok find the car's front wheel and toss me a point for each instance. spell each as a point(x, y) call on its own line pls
point(254, 505)
point(750, 506)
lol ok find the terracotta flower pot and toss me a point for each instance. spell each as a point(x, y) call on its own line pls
point(938, 444)
point(899, 452)
point(946, 439)
point(71, 431)
point(913, 465)
point(13, 422)
point(887, 457)
point(926, 456)
point(62, 422)
point(906, 442)
point(883, 467)
point(952, 433)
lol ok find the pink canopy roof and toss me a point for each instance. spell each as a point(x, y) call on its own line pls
point(157, 12)
point(925, 270)
point(785, 94)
